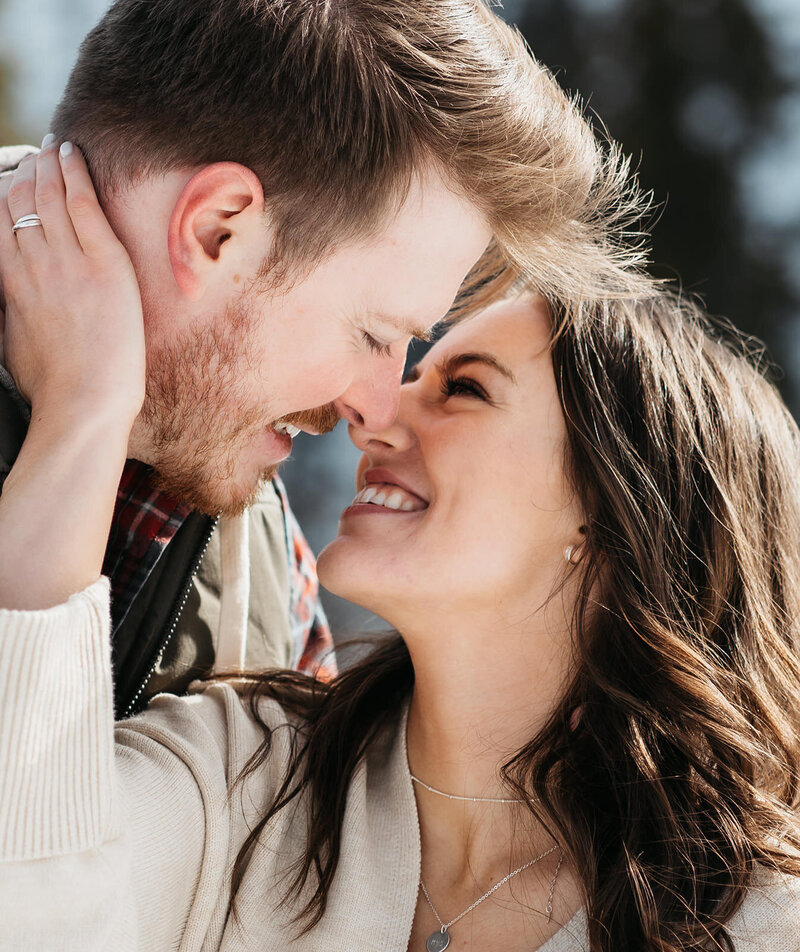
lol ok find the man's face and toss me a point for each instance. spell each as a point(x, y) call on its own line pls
point(331, 345)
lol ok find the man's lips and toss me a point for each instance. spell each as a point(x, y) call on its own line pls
point(282, 426)
point(315, 422)
point(279, 445)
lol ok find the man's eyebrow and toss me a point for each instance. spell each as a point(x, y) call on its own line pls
point(419, 332)
point(456, 361)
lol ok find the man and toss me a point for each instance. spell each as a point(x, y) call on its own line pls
point(165, 560)
point(302, 187)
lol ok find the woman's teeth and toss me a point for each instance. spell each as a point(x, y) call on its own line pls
point(389, 497)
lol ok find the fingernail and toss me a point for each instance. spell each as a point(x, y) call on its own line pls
point(48, 140)
point(66, 149)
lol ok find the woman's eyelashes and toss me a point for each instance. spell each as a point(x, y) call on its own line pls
point(452, 386)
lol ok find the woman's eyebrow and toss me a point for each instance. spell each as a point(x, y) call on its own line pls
point(457, 361)
point(452, 364)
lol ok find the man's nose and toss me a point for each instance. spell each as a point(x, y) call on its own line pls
point(400, 435)
point(372, 400)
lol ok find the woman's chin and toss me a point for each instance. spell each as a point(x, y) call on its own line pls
point(351, 574)
point(338, 572)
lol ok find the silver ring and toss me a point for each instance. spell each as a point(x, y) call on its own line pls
point(27, 221)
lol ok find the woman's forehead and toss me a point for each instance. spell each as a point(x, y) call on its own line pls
point(512, 330)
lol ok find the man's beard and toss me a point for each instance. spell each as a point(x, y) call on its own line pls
point(201, 420)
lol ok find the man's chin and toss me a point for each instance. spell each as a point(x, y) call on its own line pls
point(214, 497)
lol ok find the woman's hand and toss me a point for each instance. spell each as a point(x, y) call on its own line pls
point(74, 343)
point(74, 338)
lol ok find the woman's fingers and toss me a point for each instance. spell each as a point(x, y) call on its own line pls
point(95, 234)
point(22, 202)
point(8, 241)
point(74, 329)
point(56, 186)
point(51, 202)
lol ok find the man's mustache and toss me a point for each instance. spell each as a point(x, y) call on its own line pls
point(318, 420)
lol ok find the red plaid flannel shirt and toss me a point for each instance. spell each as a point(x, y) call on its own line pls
point(145, 521)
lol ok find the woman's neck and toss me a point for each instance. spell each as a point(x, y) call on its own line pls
point(483, 689)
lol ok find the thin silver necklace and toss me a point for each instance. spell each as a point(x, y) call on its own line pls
point(438, 941)
point(453, 796)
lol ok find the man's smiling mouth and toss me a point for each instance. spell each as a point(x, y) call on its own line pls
point(287, 428)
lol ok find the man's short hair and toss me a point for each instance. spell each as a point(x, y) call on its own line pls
point(335, 104)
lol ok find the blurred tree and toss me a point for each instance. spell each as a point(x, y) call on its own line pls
point(691, 87)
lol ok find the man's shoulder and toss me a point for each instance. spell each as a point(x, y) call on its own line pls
point(12, 155)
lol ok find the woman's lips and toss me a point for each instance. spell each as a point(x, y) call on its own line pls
point(383, 492)
point(385, 477)
point(389, 496)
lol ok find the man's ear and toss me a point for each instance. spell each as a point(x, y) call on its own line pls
point(220, 202)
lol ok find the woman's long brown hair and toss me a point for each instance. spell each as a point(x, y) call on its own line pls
point(670, 768)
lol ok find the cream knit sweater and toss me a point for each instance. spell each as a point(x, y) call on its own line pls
point(128, 846)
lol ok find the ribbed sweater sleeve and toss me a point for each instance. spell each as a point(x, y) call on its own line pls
point(101, 847)
point(56, 728)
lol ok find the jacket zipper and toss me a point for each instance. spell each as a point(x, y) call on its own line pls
point(176, 617)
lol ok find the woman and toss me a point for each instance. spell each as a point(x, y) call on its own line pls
point(586, 532)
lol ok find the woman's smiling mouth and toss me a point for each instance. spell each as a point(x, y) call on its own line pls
point(389, 496)
point(382, 491)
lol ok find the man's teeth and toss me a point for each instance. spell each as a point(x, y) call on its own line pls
point(390, 497)
point(287, 428)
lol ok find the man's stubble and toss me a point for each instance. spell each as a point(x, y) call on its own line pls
point(201, 419)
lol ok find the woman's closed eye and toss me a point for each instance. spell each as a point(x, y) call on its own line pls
point(453, 385)
point(461, 386)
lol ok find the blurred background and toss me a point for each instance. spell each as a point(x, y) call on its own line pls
point(705, 94)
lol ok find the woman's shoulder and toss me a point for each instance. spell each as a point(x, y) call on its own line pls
point(215, 724)
point(767, 921)
point(769, 918)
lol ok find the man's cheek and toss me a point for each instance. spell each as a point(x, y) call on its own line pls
point(335, 376)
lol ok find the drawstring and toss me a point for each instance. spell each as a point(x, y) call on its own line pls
point(234, 537)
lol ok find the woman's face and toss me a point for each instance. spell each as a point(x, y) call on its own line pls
point(462, 503)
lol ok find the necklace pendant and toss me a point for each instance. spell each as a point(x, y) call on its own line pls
point(438, 941)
